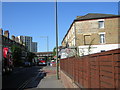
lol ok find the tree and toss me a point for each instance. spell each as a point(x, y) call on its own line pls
point(17, 54)
point(30, 56)
point(54, 51)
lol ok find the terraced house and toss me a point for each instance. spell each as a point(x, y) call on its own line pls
point(93, 33)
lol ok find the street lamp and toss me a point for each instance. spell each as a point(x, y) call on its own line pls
point(57, 64)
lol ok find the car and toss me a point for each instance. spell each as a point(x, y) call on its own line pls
point(42, 63)
point(27, 64)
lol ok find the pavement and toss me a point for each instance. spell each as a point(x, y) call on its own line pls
point(50, 80)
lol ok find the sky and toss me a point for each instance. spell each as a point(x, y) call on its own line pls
point(37, 19)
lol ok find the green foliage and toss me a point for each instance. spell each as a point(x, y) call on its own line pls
point(54, 51)
point(16, 54)
point(30, 56)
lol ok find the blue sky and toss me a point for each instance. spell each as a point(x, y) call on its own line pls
point(37, 19)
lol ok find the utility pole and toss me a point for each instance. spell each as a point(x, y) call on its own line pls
point(57, 63)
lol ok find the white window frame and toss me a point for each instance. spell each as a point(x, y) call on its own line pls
point(101, 25)
point(102, 39)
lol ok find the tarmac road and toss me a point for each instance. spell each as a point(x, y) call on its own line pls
point(21, 77)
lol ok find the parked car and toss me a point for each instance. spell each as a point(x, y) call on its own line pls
point(27, 64)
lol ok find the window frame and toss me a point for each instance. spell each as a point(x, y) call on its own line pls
point(102, 39)
point(101, 25)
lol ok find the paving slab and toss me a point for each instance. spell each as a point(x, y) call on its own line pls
point(50, 81)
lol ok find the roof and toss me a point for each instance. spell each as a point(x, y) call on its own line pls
point(95, 16)
point(91, 16)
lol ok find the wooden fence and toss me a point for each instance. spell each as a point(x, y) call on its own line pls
point(101, 70)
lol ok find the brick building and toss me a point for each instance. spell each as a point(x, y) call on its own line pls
point(93, 33)
point(7, 42)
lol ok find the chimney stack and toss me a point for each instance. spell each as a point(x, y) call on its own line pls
point(13, 37)
point(1, 31)
point(6, 34)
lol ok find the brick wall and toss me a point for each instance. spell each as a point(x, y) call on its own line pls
point(90, 27)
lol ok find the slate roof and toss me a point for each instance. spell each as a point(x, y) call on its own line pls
point(95, 16)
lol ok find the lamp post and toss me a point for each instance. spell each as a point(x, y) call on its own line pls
point(57, 63)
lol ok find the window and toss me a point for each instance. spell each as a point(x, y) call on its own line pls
point(101, 24)
point(102, 38)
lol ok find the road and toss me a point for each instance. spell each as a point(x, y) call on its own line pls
point(20, 78)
